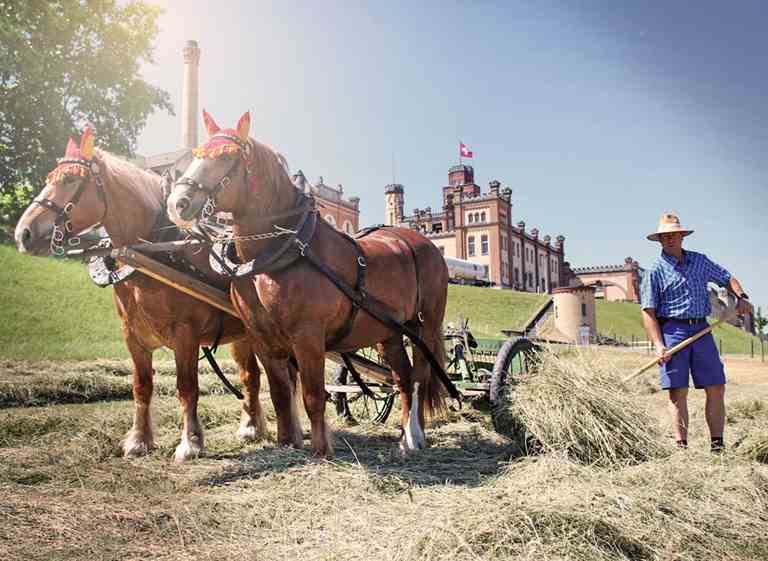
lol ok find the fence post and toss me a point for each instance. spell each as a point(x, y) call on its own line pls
point(751, 348)
point(762, 351)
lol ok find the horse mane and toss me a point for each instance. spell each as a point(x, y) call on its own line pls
point(138, 193)
point(142, 184)
point(272, 165)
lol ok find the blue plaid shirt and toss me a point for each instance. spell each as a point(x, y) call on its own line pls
point(679, 290)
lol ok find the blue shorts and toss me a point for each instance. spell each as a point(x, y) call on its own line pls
point(700, 358)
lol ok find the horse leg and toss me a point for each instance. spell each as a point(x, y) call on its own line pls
point(139, 441)
point(413, 435)
point(282, 391)
point(429, 388)
point(252, 424)
point(311, 358)
point(186, 348)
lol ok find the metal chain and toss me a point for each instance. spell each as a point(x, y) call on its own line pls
point(278, 232)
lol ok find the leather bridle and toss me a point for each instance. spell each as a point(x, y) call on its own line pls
point(211, 192)
point(62, 235)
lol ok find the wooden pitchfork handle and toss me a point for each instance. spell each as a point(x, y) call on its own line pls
point(681, 345)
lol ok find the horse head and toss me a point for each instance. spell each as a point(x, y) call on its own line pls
point(71, 203)
point(229, 173)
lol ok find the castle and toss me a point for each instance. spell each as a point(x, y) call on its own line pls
point(478, 227)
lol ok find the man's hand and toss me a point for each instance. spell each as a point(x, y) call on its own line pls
point(744, 307)
point(661, 353)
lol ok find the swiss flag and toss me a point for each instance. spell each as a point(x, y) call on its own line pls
point(464, 150)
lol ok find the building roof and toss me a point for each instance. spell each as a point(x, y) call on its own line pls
point(323, 191)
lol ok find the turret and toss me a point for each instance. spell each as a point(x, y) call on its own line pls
point(395, 200)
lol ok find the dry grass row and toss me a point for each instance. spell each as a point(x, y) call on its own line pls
point(64, 493)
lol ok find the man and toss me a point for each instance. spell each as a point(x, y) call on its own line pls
point(675, 304)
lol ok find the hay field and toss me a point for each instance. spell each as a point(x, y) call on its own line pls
point(66, 494)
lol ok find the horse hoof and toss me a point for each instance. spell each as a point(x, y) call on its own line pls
point(187, 450)
point(408, 447)
point(249, 433)
point(134, 447)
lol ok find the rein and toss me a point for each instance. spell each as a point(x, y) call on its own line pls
point(62, 225)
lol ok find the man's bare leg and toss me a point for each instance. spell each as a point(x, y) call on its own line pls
point(714, 408)
point(678, 409)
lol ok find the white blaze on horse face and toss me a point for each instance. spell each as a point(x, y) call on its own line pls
point(35, 227)
point(194, 173)
point(414, 435)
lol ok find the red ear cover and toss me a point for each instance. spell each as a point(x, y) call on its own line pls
point(210, 124)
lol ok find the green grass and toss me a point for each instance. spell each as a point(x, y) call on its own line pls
point(623, 320)
point(52, 311)
point(489, 311)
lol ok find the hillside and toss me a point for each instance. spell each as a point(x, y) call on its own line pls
point(622, 320)
point(488, 310)
point(52, 310)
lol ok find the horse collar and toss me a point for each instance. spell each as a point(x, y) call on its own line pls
point(222, 258)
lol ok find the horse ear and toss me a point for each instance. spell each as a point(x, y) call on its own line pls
point(210, 124)
point(72, 151)
point(244, 126)
point(86, 143)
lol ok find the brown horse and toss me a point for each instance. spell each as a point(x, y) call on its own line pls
point(92, 186)
point(295, 311)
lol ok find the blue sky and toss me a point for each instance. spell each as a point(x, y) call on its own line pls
point(599, 115)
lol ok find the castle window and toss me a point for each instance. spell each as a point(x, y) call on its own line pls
point(330, 220)
point(347, 226)
point(477, 217)
point(584, 310)
point(471, 218)
point(471, 246)
point(436, 228)
point(484, 244)
point(482, 217)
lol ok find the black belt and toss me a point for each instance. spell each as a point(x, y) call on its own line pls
point(689, 321)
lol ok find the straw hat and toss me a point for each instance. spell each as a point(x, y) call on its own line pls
point(668, 224)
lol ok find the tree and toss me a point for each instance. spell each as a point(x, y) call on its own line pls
point(63, 64)
point(760, 322)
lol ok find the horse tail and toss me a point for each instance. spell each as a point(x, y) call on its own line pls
point(434, 391)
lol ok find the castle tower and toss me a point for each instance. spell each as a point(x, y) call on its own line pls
point(189, 95)
point(394, 198)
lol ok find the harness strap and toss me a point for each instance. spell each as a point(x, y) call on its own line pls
point(419, 315)
point(356, 376)
point(359, 289)
point(289, 250)
point(212, 361)
point(376, 309)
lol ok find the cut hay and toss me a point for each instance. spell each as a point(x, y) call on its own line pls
point(755, 444)
point(575, 404)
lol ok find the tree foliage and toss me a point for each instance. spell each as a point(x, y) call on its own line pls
point(760, 322)
point(64, 63)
